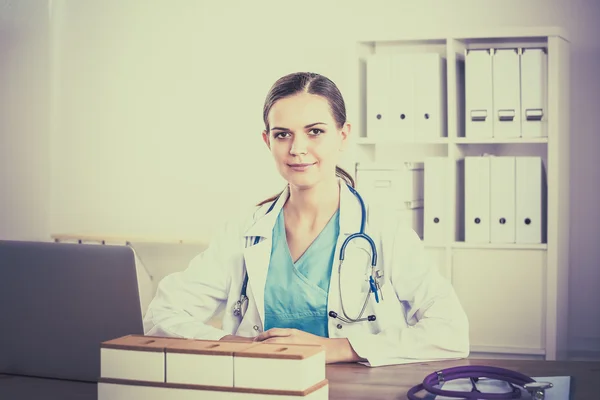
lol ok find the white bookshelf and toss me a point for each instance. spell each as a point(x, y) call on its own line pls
point(516, 295)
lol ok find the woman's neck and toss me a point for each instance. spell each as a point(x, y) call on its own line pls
point(310, 207)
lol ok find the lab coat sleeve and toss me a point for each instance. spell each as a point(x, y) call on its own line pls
point(185, 301)
point(437, 327)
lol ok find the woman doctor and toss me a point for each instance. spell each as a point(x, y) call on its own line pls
point(291, 256)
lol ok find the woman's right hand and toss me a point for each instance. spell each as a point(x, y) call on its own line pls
point(234, 338)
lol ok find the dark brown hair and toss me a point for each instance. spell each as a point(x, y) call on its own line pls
point(312, 83)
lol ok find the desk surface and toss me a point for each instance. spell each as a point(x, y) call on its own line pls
point(346, 381)
point(354, 381)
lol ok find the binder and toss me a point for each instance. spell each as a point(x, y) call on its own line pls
point(507, 94)
point(477, 199)
point(502, 199)
point(436, 195)
point(478, 94)
point(430, 82)
point(534, 92)
point(378, 102)
point(402, 113)
point(529, 200)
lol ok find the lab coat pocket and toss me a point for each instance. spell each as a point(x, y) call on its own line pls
point(391, 313)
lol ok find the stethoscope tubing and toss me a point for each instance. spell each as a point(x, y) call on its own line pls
point(361, 234)
point(472, 371)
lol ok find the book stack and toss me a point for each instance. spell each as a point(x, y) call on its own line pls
point(154, 368)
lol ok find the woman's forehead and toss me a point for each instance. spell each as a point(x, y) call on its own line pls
point(300, 110)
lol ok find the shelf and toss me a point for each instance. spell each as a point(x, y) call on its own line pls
point(508, 246)
point(507, 350)
point(445, 140)
point(370, 141)
point(436, 35)
point(539, 330)
point(434, 245)
point(463, 140)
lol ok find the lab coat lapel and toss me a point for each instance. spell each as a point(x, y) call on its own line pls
point(257, 257)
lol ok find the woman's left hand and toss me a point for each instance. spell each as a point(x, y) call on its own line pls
point(336, 350)
point(290, 336)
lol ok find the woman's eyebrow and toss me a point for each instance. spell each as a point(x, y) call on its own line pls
point(275, 128)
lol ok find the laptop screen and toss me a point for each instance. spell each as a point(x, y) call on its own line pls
point(59, 301)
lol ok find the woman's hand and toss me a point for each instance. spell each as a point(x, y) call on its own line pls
point(336, 350)
point(289, 336)
point(233, 338)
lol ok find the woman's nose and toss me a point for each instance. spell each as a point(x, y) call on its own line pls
point(299, 145)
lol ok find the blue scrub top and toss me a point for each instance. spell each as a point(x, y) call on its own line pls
point(296, 293)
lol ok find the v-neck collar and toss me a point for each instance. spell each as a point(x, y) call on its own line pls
point(283, 236)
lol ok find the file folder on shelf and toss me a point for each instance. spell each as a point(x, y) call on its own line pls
point(506, 93)
point(477, 199)
point(529, 197)
point(436, 197)
point(402, 95)
point(406, 97)
point(429, 104)
point(478, 94)
point(502, 199)
point(378, 101)
point(534, 92)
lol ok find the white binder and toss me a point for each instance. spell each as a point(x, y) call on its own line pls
point(507, 94)
point(502, 199)
point(477, 199)
point(529, 200)
point(430, 81)
point(402, 112)
point(435, 199)
point(378, 102)
point(478, 94)
point(534, 93)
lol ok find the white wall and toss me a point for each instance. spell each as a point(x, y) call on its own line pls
point(24, 134)
point(158, 112)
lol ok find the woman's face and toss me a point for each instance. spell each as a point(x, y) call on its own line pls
point(304, 139)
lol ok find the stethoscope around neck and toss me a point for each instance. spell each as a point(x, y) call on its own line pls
point(240, 306)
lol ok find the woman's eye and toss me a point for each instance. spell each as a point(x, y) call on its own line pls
point(281, 135)
point(316, 131)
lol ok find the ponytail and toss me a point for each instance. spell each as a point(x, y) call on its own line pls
point(339, 172)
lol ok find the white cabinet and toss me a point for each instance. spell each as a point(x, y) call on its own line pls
point(504, 288)
point(515, 292)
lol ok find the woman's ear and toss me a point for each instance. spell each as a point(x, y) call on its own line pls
point(266, 139)
point(345, 133)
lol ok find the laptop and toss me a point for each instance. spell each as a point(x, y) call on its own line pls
point(59, 301)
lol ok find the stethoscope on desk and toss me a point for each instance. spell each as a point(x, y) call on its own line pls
point(474, 373)
point(241, 305)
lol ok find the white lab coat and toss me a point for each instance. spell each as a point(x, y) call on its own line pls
point(419, 318)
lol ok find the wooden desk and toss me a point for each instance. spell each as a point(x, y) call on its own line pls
point(355, 381)
point(346, 381)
